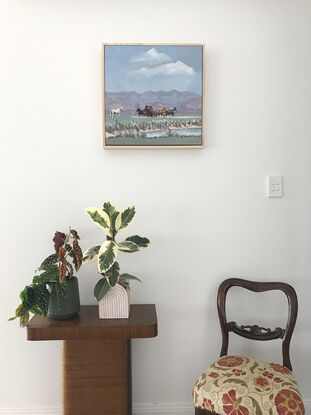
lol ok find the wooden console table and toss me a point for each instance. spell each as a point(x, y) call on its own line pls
point(96, 357)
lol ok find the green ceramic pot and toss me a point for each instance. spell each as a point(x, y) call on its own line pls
point(71, 306)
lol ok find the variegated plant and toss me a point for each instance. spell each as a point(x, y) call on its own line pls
point(112, 221)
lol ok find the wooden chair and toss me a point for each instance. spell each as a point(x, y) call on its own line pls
point(240, 385)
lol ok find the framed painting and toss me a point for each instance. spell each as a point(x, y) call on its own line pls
point(153, 95)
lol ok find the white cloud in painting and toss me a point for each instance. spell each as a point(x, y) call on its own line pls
point(173, 68)
point(151, 58)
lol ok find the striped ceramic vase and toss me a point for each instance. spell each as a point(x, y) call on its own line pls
point(115, 304)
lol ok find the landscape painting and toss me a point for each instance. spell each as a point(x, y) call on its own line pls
point(153, 95)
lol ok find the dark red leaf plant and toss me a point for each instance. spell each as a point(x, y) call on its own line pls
point(53, 274)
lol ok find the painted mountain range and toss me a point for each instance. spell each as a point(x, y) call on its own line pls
point(186, 102)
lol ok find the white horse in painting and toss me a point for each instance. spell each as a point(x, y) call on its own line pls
point(116, 112)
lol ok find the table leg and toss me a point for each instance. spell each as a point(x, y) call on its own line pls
point(97, 377)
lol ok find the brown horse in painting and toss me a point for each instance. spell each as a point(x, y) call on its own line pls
point(161, 112)
point(149, 111)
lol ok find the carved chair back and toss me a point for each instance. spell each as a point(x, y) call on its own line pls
point(255, 332)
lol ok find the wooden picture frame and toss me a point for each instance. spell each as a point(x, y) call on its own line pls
point(145, 104)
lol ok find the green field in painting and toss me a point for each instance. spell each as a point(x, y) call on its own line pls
point(133, 130)
point(159, 141)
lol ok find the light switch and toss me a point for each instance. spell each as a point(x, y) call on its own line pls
point(275, 186)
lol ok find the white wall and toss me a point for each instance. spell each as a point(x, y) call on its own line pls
point(205, 210)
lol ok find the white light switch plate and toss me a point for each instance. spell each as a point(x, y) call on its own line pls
point(275, 186)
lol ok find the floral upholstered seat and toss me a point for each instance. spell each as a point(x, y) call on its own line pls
point(238, 385)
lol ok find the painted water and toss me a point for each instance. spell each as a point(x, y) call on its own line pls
point(175, 130)
point(184, 132)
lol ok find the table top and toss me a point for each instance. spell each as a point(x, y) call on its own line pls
point(142, 323)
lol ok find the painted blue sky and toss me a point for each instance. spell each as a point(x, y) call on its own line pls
point(155, 68)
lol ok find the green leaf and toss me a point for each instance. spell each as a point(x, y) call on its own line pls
point(35, 299)
point(22, 314)
point(28, 297)
point(18, 312)
point(61, 291)
point(117, 218)
point(36, 310)
point(100, 217)
point(91, 254)
point(51, 274)
point(36, 279)
point(128, 246)
point(101, 288)
point(107, 256)
point(127, 217)
point(109, 208)
point(51, 259)
point(125, 283)
point(23, 320)
point(140, 241)
point(126, 276)
point(113, 274)
point(113, 214)
point(42, 298)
